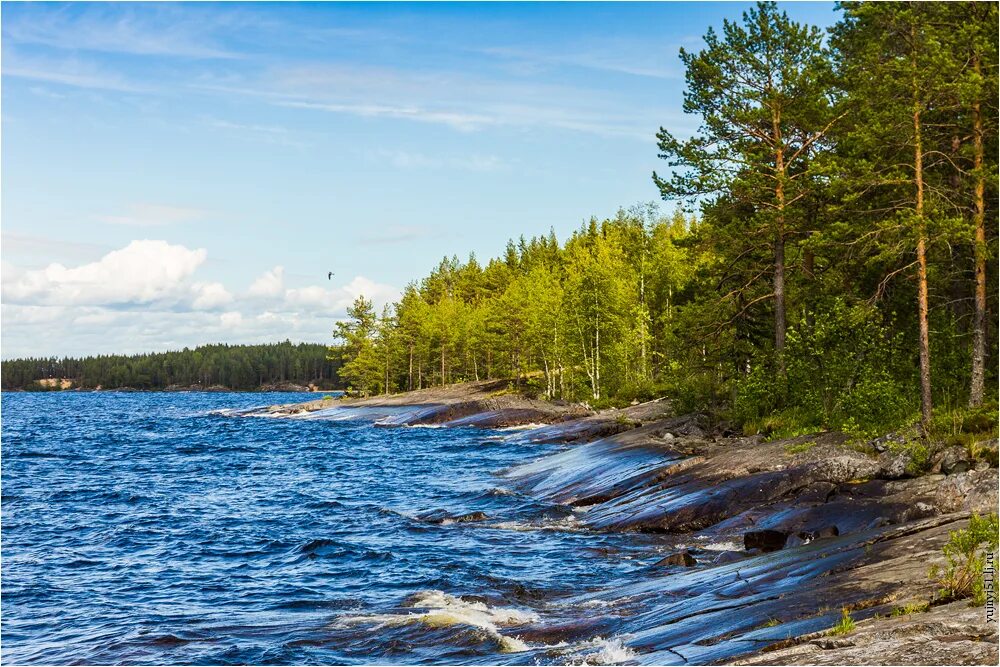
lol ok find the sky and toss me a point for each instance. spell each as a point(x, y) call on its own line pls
point(180, 174)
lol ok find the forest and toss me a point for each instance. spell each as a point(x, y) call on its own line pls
point(240, 367)
point(827, 257)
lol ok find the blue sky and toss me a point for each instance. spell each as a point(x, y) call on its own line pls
point(177, 174)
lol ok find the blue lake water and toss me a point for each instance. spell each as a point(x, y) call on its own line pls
point(142, 528)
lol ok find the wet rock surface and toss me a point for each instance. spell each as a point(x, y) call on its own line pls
point(760, 545)
point(488, 404)
point(822, 526)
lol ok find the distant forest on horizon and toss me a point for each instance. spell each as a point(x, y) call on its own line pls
point(239, 367)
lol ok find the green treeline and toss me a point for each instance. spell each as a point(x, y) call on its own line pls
point(244, 367)
point(840, 271)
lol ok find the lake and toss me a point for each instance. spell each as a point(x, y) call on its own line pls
point(153, 528)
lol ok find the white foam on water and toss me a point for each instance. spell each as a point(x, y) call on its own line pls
point(570, 524)
point(610, 651)
point(723, 546)
point(522, 427)
point(443, 610)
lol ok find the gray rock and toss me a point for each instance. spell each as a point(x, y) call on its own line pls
point(885, 442)
point(727, 557)
point(954, 460)
point(796, 540)
point(973, 491)
point(894, 466)
point(681, 558)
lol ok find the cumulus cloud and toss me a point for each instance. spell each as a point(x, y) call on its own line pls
point(270, 284)
point(141, 272)
point(210, 296)
point(147, 297)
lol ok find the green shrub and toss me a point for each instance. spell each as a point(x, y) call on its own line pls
point(844, 370)
point(981, 420)
point(962, 576)
point(953, 422)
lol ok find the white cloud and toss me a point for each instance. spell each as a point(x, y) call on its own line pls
point(142, 272)
point(335, 301)
point(146, 297)
point(270, 284)
point(210, 296)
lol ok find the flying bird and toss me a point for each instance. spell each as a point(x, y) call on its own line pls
point(329, 276)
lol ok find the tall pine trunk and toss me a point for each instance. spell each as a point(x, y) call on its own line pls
point(779, 246)
point(409, 375)
point(925, 348)
point(979, 326)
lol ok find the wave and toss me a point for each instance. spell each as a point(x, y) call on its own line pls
point(442, 610)
point(523, 427)
point(611, 651)
point(568, 524)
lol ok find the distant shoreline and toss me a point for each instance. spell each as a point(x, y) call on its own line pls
point(214, 389)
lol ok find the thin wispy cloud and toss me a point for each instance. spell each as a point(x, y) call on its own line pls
point(397, 234)
point(154, 215)
point(618, 58)
point(149, 31)
point(69, 71)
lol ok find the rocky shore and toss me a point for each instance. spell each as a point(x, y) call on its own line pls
point(766, 545)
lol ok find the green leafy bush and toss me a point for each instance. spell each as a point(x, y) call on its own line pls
point(842, 372)
point(965, 553)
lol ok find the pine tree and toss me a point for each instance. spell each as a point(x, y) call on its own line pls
point(762, 94)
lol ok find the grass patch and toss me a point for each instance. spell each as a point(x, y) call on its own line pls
point(506, 391)
point(623, 419)
point(783, 425)
point(844, 625)
point(800, 448)
point(911, 608)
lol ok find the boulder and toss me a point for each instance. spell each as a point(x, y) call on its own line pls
point(955, 460)
point(727, 557)
point(973, 491)
point(818, 492)
point(681, 558)
point(765, 540)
